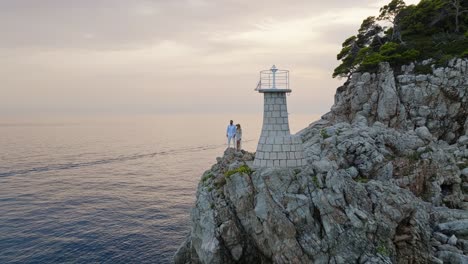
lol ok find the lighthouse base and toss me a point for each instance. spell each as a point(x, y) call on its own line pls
point(279, 151)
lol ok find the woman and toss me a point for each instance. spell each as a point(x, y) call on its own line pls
point(239, 136)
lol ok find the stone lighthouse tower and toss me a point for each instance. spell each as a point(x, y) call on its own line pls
point(277, 147)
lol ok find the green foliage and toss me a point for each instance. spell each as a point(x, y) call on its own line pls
point(324, 134)
point(242, 169)
point(219, 183)
point(444, 60)
point(423, 69)
point(426, 150)
point(413, 156)
point(362, 180)
point(388, 49)
point(371, 61)
point(416, 156)
point(390, 11)
point(431, 29)
point(347, 56)
point(463, 165)
point(315, 181)
point(382, 250)
point(347, 45)
point(368, 34)
point(207, 176)
point(410, 55)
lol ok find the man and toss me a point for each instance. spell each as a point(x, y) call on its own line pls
point(231, 134)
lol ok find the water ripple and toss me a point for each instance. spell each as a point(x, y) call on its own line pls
point(101, 193)
point(68, 166)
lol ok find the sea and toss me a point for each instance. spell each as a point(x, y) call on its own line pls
point(107, 189)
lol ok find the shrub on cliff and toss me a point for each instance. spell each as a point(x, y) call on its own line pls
point(401, 34)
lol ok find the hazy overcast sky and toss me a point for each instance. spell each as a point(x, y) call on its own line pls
point(135, 56)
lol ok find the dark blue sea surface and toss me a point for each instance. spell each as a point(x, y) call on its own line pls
point(105, 190)
point(109, 190)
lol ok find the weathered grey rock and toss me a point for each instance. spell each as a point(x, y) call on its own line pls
point(435, 243)
point(466, 126)
point(435, 260)
point(444, 214)
point(353, 172)
point(464, 172)
point(464, 187)
point(231, 236)
point(430, 100)
point(384, 182)
point(452, 240)
point(463, 245)
point(452, 258)
point(458, 227)
point(388, 99)
point(297, 216)
point(447, 247)
point(183, 254)
point(424, 133)
point(440, 237)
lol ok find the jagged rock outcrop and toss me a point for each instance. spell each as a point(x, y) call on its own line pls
point(386, 182)
point(438, 101)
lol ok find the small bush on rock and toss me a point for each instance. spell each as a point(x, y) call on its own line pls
point(242, 169)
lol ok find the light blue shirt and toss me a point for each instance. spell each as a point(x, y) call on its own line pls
point(231, 130)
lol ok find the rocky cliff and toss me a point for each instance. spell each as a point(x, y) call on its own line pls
point(386, 182)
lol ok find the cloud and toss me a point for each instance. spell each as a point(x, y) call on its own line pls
point(120, 24)
point(160, 54)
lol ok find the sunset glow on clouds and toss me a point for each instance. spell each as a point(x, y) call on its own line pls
point(169, 56)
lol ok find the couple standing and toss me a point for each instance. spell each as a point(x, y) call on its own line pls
point(234, 133)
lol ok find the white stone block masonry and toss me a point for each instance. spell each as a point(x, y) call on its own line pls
point(276, 146)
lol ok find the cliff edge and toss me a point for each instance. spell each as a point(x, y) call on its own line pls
point(386, 181)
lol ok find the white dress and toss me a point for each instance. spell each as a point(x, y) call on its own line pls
point(239, 137)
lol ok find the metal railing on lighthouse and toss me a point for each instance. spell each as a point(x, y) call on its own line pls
point(273, 79)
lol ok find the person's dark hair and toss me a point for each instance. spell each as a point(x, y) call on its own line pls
point(238, 126)
point(231, 122)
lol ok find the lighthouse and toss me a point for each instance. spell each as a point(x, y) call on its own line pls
point(276, 146)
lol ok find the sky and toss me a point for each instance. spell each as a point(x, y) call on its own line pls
point(92, 57)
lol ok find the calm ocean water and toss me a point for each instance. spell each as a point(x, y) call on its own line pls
point(108, 189)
